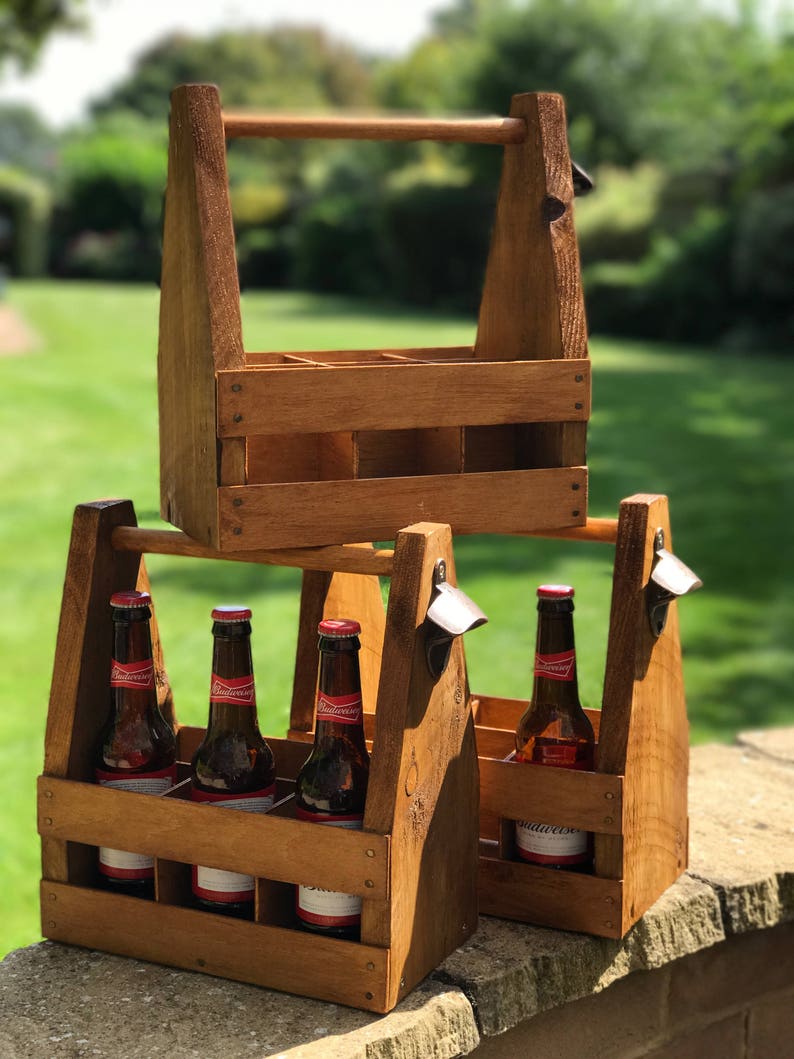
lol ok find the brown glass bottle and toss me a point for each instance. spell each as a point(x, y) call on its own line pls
point(331, 788)
point(136, 749)
point(233, 767)
point(555, 730)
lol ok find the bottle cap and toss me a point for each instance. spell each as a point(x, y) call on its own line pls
point(231, 612)
point(555, 592)
point(339, 627)
point(129, 600)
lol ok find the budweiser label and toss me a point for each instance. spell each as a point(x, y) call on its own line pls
point(237, 691)
point(214, 884)
point(341, 709)
point(556, 667)
point(132, 674)
point(550, 844)
point(329, 908)
point(116, 863)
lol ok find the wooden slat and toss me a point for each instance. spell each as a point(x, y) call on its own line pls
point(602, 530)
point(348, 558)
point(591, 801)
point(355, 356)
point(491, 711)
point(401, 396)
point(270, 516)
point(283, 850)
point(561, 899)
point(340, 972)
point(374, 127)
point(200, 327)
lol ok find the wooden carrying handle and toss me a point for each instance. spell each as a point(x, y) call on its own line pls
point(348, 127)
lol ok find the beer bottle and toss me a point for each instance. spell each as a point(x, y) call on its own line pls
point(331, 788)
point(233, 767)
point(136, 750)
point(555, 730)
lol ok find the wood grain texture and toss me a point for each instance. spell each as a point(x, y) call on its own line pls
point(588, 800)
point(273, 516)
point(324, 357)
point(532, 304)
point(374, 127)
point(564, 900)
point(200, 328)
point(172, 829)
point(423, 782)
point(644, 728)
point(173, 542)
point(401, 396)
point(340, 972)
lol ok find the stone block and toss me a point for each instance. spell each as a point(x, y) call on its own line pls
point(724, 1039)
point(771, 1029)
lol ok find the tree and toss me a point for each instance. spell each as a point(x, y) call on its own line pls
point(25, 24)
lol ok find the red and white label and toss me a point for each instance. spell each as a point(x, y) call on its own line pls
point(341, 709)
point(132, 674)
point(236, 691)
point(548, 844)
point(328, 908)
point(117, 863)
point(215, 884)
point(556, 667)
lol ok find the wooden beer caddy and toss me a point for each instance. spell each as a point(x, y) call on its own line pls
point(635, 802)
point(415, 862)
point(273, 449)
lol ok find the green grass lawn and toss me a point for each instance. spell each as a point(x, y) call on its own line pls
point(79, 420)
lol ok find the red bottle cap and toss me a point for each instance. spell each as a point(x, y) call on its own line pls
point(555, 592)
point(130, 599)
point(231, 612)
point(339, 627)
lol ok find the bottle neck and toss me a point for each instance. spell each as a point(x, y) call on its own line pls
point(339, 709)
point(555, 679)
point(132, 684)
point(232, 689)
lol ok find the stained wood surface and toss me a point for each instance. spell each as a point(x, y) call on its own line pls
point(341, 972)
point(273, 516)
point(587, 800)
point(173, 542)
point(172, 829)
point(401, 396)
point(423, 786)
point(644, 728)
point(495, 712)
point(532, 303)
point(369, 127)
point(561, 899)
point(200, 328)
point(324, 357)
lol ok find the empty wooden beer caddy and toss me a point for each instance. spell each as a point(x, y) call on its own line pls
point(277, 449)
point(635, 803)
point(415, 862)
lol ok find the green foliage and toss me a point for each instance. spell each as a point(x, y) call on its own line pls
point(26, 142)
point(25, 25)
point(112, 182)
point(25, 205)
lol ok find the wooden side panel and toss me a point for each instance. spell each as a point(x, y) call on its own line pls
point(400, 396)
point(341, 972)
point(275, 516)
point(560, 899)
point(200, 328)
point(423, 783)
point(644, 728)
point(533, 305)
point(174, 829)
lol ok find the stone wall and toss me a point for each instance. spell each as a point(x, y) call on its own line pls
point(708, 970)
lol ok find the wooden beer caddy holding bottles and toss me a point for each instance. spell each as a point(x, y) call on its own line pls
point(415, 862)
point(635, 803)
point(274, 449)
